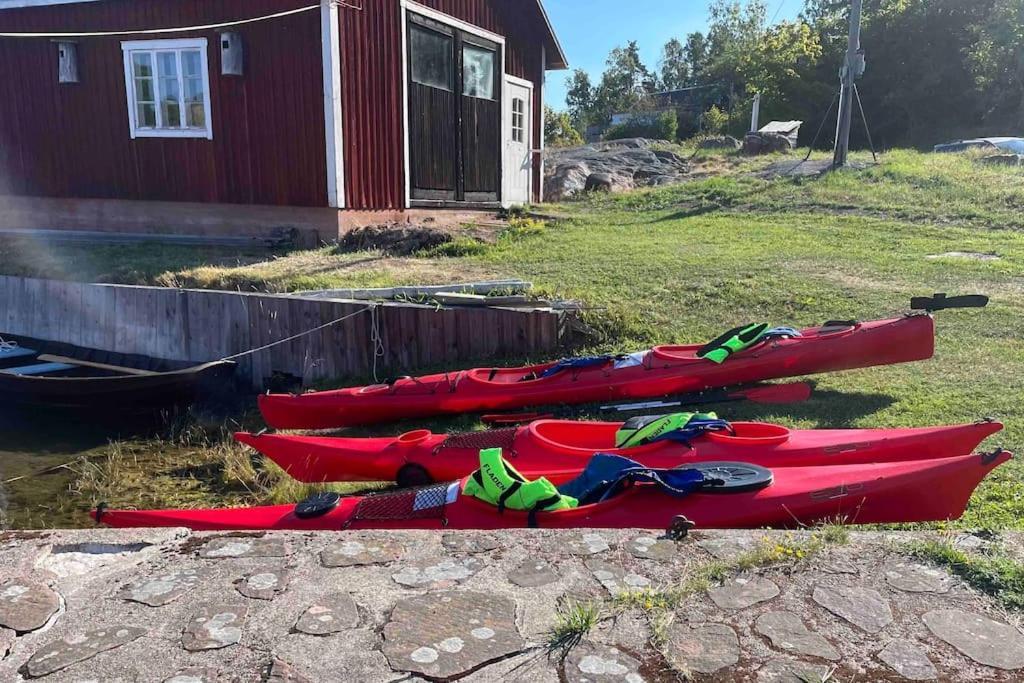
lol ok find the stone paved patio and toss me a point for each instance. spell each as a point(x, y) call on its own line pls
point(168, 605)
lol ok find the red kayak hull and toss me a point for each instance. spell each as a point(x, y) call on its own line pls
point(670, 370)
point(559, 450)
point(886, 493)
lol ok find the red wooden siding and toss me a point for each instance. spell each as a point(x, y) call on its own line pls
point(73, 140)
point(372, 86)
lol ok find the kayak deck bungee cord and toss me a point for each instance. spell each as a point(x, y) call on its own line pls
point(884, 493)
point(560, 449)
point(742, 358)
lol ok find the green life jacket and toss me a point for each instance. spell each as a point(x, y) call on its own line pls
point(639, 431)
point(498, 483)
point(733, 341)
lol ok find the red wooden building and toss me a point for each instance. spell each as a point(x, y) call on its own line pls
point(357, 105)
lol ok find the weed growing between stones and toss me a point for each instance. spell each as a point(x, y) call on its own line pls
point(992, 572)
point(574, 621)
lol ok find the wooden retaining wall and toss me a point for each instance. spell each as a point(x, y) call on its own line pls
point(200, 325)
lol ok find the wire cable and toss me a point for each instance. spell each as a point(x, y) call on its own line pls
point(157, 31)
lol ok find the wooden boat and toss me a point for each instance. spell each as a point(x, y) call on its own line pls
point(44, 374)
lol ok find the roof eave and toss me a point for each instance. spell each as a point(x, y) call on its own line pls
point(556, 60)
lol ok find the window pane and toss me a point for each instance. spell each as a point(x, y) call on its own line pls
point(431, 57)
point(167, 64)
point(146, 115)
point(477, 72)
point(195, 116)
point(143, 64)
point(191, 63)
point(144, 90)
point(170, 106)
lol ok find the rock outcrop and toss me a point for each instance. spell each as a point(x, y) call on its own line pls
point(613, 166)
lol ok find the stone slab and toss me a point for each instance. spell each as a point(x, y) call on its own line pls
point(63, 653)
point(865, 608)
point(280, 671)
point(214, 627)
point(162, 589)
point(233, 547)
point(591, 662)
point(330, 614)
point(26, 605)
point(533, 573)
point(787, 631)
point(585, 544)
point(703, 649)
point(361, 552)
point(616, 579)
point(743, 591)
point(987, 642)
point(448, 634)
point(438, 573)
point(263, 584)
point(195, 674)
point(912, 577)
point(909, 660)
point(469, 543)
point(791, 671)
point(653, 548)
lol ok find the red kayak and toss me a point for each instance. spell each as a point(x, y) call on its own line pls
point(885, 493)
point(559, 450)
point(664, 371)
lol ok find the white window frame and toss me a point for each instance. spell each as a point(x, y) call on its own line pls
point(151, 46)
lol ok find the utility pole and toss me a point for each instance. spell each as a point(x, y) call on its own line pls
point(852, 69)
point(755, 116)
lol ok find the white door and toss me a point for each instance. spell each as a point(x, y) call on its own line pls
point(518, 156)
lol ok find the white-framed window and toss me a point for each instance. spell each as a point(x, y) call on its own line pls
point(518, 119)
point(168, 87)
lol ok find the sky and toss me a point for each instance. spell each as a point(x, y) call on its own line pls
point(589, 29)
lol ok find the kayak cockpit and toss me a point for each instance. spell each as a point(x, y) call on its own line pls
point(586, 438)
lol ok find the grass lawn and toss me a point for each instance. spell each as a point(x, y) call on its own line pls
point(683, 263)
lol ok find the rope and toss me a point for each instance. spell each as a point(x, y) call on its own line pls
point(810, 150)
point(376, 341)
point(370, 307)
point(7, 346)
point(157, 31)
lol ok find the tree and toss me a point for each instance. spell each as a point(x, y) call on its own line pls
point(696, 50)
point(674, 67)
point(559, 130)
point(625, 83)
point(996, 60)
point(580, 99)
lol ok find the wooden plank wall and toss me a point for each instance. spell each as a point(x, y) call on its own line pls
point(201, 325)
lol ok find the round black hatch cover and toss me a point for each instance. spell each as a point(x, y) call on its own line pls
point(317, 505)
point(736, 477)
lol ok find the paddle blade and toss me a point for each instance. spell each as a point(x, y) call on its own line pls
point(776, 394)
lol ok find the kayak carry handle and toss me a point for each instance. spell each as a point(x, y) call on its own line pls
point(942, 302)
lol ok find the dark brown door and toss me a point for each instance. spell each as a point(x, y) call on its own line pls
point(454, 114)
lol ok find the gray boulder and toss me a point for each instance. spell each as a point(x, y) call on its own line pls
point(755, 144)
point(721, 142)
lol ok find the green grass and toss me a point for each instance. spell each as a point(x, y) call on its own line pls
point(994, 572)
point(573, 621)
point(680, 264)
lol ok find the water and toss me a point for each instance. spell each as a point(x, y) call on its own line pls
point(40, 456)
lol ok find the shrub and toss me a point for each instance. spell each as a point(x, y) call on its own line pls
point(714, 121)
point(664, 126)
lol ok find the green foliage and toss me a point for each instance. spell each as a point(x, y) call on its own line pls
point(559, 130)
point(714, 121)
point(937, 69)
point(663, 126)
point(674, 66)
